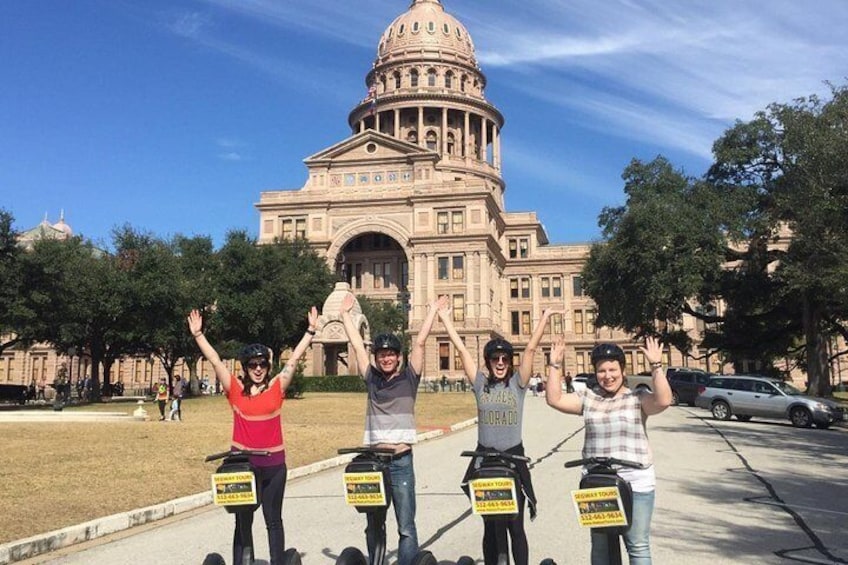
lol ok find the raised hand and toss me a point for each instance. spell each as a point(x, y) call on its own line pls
point(312, 317)
point(347, 303)
point(195, 323)
point(652, 350)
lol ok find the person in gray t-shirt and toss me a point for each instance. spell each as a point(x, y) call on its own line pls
point(500, 410)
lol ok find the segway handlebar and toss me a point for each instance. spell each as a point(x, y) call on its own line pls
point(237, 453)
point(496, 454)
point(604, 462)
point(388, 451)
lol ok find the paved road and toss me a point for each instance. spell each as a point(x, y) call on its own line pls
point(729, 492)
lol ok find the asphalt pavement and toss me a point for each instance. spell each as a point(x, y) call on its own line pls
point(728, 492)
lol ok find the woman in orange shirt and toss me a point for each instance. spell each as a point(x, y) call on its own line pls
point(256, 398)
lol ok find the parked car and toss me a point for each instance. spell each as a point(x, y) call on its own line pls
point(746, 396)
point(685, 385)
point(581, 381)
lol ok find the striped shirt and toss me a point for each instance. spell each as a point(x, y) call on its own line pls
point(389, 416)
point(257, 423)
point(615, 427)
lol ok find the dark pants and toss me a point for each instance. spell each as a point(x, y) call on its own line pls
point(273, 480)
point(515, 527)
point(162, 408)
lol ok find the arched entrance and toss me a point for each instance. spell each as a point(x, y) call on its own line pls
point(375, 265)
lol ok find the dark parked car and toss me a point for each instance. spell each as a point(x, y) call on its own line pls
point(746, 396)
point(685, 385)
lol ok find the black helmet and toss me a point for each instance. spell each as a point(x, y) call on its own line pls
point(497, 345)
point(253, 351)
point(608, 352)
point(386, 341)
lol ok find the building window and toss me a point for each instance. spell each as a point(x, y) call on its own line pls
point(413, 78)
point(450, 221)
point(518, 248)
point(525, 323)
point(545, 284)
point(457, 358)
point(513, 288)
point(578, 321)
point(556, 322)
point(449, 79)
point(404, 275)
point(396, 78)
point(458, 307)
point(577, 285)
point(443, 268)
point(457, 221)
point(581, 363)
point(356, 272)
point(515, 325)
point(525, 287)
point(458, 267)
point(590, 321)
point(382, 275)
point(431, 140)
point(556, 286)
point(444, 356)
point(431, 77)
point(293, 227)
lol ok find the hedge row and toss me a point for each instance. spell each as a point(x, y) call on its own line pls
point(340, 383)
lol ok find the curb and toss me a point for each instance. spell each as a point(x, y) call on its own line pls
point(99, 527)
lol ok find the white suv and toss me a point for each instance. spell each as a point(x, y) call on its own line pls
point(748, 396)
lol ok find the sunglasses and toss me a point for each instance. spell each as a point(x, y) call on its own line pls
point(258, 365)
point(503, 358)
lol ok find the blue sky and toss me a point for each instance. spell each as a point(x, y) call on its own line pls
point(173, 115)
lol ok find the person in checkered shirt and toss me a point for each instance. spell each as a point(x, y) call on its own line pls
point(615, 418)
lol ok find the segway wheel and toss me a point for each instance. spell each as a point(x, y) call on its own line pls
point(424, 558)
point(465, 560)
point(547, 561)
point(351, 556)
point(214, 559)
point(291, 557)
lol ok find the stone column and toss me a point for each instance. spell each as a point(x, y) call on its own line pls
point(466, 137)
point(421, 126)
point(484, 139)
point(397, 123)
point(444, 131)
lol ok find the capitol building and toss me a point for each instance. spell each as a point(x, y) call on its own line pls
point(409, 207)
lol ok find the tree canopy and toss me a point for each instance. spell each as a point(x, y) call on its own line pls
point(763, 234)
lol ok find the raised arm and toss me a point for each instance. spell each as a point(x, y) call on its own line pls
point(195, 326)
point(353, 335)
point(570, 403)
point(525, 368)
point(287, 372)
point(416, 356)
point(660, 399)
point(468, 363)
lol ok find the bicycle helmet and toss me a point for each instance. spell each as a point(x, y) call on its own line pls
point(497, 345)
point(253, 351)
point(608, 352)
point(386, 341)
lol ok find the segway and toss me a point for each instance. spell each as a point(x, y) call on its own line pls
point(234, 486)
point(604, 502)
point(493, 488)
point(368, 488)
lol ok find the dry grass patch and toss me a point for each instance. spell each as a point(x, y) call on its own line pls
point(54, 476)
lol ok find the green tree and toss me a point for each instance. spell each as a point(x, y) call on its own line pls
point(385, 316)
point(13, 315)
point(763, 232)
point(265, 291)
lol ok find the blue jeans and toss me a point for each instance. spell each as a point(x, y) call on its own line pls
point(636, 540)
point(403, 499)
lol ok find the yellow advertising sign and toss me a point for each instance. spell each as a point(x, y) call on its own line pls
point(234, 489)
point(493, 496)
point(365, 489)
point(599, 507)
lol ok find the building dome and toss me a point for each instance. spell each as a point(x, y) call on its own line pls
point(426, 28)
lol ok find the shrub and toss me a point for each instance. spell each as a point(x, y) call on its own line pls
point(339, 383)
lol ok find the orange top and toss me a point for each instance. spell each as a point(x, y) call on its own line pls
point(257, 422)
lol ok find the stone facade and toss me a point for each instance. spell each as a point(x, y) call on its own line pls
point(411, 206)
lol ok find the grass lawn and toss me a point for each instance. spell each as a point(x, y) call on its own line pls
point(54, 476)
